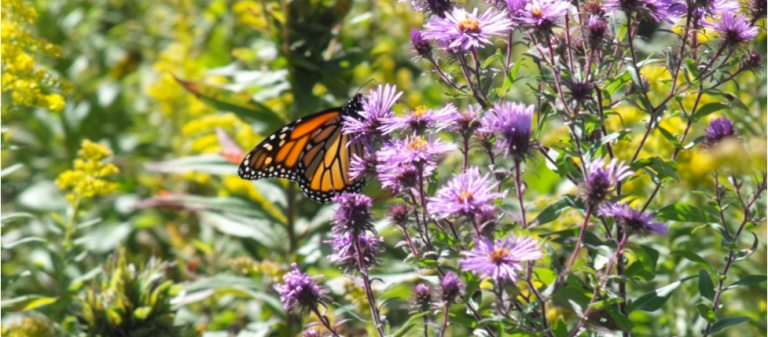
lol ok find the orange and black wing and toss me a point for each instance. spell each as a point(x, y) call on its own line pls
point(311, 151)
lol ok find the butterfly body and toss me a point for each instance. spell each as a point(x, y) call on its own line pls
point(311, 151)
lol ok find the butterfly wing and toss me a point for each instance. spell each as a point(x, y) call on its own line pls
point(311, 151)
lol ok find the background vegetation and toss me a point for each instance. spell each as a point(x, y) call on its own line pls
point(122, 213)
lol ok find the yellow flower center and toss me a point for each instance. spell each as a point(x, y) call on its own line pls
point(465, 196)
point(419, 111)
point(469, 25)
point(499, 254)
point(536, 12)
point(418, 144)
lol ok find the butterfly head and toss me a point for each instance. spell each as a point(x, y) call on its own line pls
point(354, 106)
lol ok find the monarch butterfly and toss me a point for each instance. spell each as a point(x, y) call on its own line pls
point(311, 151)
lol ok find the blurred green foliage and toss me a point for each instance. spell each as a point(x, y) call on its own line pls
point(120, 67)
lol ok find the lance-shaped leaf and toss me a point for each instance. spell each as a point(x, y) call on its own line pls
point(239, 103)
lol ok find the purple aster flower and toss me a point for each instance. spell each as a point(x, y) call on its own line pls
point(362, 166)
point(511, 122)
point(420, 45)
point(465, 30)
point(542, 15)
point(376, 108)
point(344, 252)
point(632, 220)
point(400, 176)
point(601, 179)
point(752, 61)
point(465, 122)
point(597, 29)
point(501, 259)
point(398, 214)
point(419, 120)
point(757, 8)
point(708, 9)
point(516, 7)
point(416, 150)
point(451, 287)
point(354, 213)
point(422, 297)
point(718, 129)
point(735, 29)
point(299, 291)
point(464, 195)
point(656, 10)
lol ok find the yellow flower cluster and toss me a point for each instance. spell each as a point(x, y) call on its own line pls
point(250, 13)
point(202, 132)
point(28, 83)
point(30, 326)
point(87, 179)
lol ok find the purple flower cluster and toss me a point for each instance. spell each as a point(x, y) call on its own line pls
point(422, 297)
point(345, 252)
point(462, 30)
point(500, 259)
point(420, 120)
point(299, 291)
point(354, 213)
point(632, 220)
point(541, 15)
point(401, 162)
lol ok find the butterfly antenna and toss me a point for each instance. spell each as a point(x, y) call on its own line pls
point(364, 85)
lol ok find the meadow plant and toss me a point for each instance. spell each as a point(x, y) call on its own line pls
point(473, 227)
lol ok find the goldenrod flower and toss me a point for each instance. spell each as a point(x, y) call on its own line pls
point(87, 179)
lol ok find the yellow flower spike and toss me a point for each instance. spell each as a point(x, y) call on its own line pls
point(86, 179)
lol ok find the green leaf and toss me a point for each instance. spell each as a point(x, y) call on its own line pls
point(38, 302)
point(560, 328)
point(706, 287)
point(685, 213)
point(645, 266)
point(705, 310)
point(553, 211)
point(409, 324)
point(745, 253)
point(142, 313)
point(726, 322)
point(708, 109)
point(695, 258)
point(239, 103)
point(654, 300)
point(748, 280)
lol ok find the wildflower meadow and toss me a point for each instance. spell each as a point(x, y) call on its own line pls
point(429, 168)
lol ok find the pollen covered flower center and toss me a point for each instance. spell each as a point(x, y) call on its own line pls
point(419, 111)
point(469, 25)
point(536, 12)
point(465, 196)
point(498, 255)
point(418, 144)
